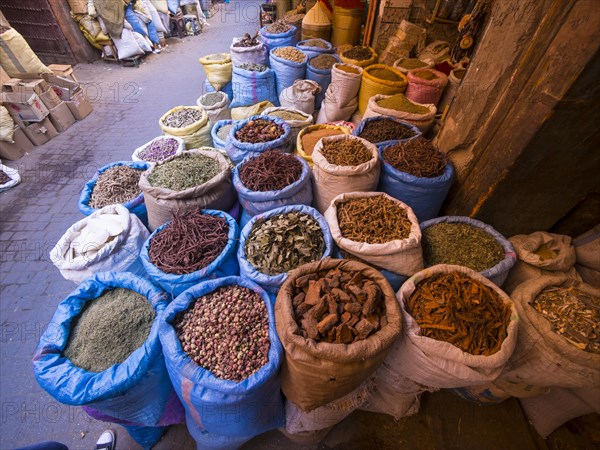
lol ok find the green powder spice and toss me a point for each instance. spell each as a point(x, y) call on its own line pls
point(426, 75)
point(399, 102)
point(384, 74)
point(461, 244)
point(184, 172)
point(109, 329)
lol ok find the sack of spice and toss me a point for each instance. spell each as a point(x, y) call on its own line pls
point(196, 179)
point(190, 123)
point(248, 49)
point(300, 95)
point(359, 56)
point(378, 229)
point(405, 65)
point(467, 242)
point(7, 125)
point(333, 342)
point(426, 85)
point(538, 254)
point(220, 133)
point(341, 97)
point(309, 136)
point(216, 105)
point(253, 86)
point(195, 246)
point(399, 107)
point(341, 164)
point(108, 240)
point(278, 34)
point(587, 250)
point(319, 69)
point(218, 69)
point(296, 234)
point(243, 112)
point(289, 65)
point(380, 79)
point(384, 130)
point(228, 89)
point(116, 183)
point(159, 149)
point(315, 47)
point(9, 177)
point(258, 134)
point(109, 357)
point(417, 173)
point(224, 365)
point(295, 118)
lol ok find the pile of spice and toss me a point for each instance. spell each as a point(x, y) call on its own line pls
point(416, 157)
point(287, 115)
point(315, 43)
point(223, 132)
point(253, 67)
point(425, 75)
point(309, 140)
point(573, 314)
point(212, 98)
point(381, 130)
point(184, 172)
point(412, 63)
point(270, 171)
point(461, 244)
point(226, 332)
point(338, 307)
point(109, 329)
point(457, 309)
point(384, 74)
point(290, 53)
point(283, 242)
point(159, 150)
point(374, 220)
point(248, 41)
point(259, 130)
point(116, 185)
point(399, 102)
point(190, 242)
point(347, 152)
point(358, 53)
point(4, 178)
point(323, 62)
point(182, 118)
point(278, 27)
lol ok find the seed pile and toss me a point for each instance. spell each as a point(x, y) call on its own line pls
point(338, 307)
point(573, 314)
point(253, 67)
point(460, 244)
point(159, 150)
point(399, 102)
point(184, 172)
point(226, 332)
point(116, 185)
point(381, 130)
point(287, 115)
point(223, 132)
point(416, 157)
point(349, 152)
point(247, 41)
point(259, 130)
point(358, 53)
point(309, 140)
point(278, 27)
point(290, 53)
point(315, 43)
point(270, 171)
point(190, 242)
point(4, 178)
point(384, 74)
point(182, 118)
point(109, 329)
point(457, 309)
point(426, 75)
point(374, 220)
point(323, 62)
point(283, 242)
point(212, 98)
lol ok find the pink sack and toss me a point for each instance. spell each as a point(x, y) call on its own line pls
point(425, 91)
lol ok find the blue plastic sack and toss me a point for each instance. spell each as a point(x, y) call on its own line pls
point(173, 5)
point(135, 206)
point(237, 150)
point(286, 72)
point(135, 391)
point(224, 265)
point(257, 202)
point(213, 405)
point(273, 41)
point(396, 280)
point(217, 141)
point(227, 89)
point(499, 272)
point(312, 51)
point(210, 441)
point(251, 87)
point(424, 195)
point(321, 76)
point(272, 283)
point(362, 124)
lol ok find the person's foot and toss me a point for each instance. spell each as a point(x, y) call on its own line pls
point(106, 441)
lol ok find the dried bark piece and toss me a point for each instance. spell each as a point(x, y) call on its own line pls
point(313, 294)
point(303, 309)
point(344, 335)
point(373, 297)
point(310, 325)
point(373, 320)
point(341, 295)
point(346, 317)
point(319, 309)
point(364, 328)
point(298, 299)
point(332, 304)
point(304, 279)
point(353, 308)
point(327, 323)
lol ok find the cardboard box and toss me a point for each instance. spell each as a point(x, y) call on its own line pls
point(41, 132)
point(62, 70)
point(61, 117)
point(28, 108)
point(64, 88)
point(50, 99)
point(14, 150)
point(80, 106)
point(16, 85)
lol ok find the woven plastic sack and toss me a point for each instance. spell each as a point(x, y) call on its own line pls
point(243, 112)
point(135, 391)
point(272, 283)
point(425, 91)
point(228, 89)
point(301, 96)
point(371, 85)
point(421, 121)
point(360, 63)
point(224, 265)
point(219, 110)
point(257, 54)
point(400, 65)
point(135, 156)
point(273, 41)
point(184, 131)
point(424, 195)
point(341, 97)
point(251, 87)
point(413, 128)
point(286, 72)
point(295, 125)
point(312, 51)
point(136, 206)
point(14, 176)
point(17, 57)
point(321, 76)
point(7, 125)
point(300, 148)
point(218, 69)
point(217, 141)
point(213, 405)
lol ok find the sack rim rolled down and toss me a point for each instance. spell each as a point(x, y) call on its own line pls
point(314, 127)
point(525, 246)
point(223, 102)
point(388, 83)
point(321, 71)
point(409, 117)
point(287, 62)
point(187, 130)
point(361, 62)
point(296, 123)
point(321, 50)
point(286, 34)
point(216, 139)
point(251, 147)
point(409, 125)
point(441, 80)
point(321, 162)
point(204, 60)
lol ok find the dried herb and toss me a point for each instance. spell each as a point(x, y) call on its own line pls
point(358, 53)
point(270, 171)
point(223, 132)
point(338, 307)
point(159, 150)
point(184, 172)
point(190, 242)
point(248, 41)
point(309, 140)
point(116, 185)
point(461, 244)
point(283, 242)
point(182, 118)
point(412, 63)
point(4, 178)
point(347, 152)
point(381, 130)
point(416, 157)
point(259, 130)
point(573, 314)
point(253, 67)
point(278, 27)
point(323, 62)
point(374, 220)
point(399, 102)
point(457, 309)
point(109, 329)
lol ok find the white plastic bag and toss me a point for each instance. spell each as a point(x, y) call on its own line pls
point(300, 95)
point(341, 97)
point(14, 176)
point(220, 110)
point(127, 45)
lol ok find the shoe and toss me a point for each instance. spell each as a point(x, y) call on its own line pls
point(106, 441)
